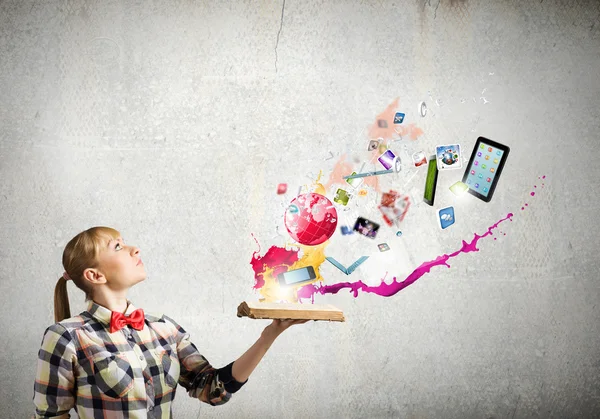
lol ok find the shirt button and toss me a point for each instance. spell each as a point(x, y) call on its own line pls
point(141, 357)
point(151, 408)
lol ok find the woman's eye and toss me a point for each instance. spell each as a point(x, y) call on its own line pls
point(118, 244)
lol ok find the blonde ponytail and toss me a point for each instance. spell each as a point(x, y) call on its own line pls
point(81, 252)
point(61, 301)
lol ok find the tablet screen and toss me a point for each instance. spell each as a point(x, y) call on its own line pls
point(484, 168)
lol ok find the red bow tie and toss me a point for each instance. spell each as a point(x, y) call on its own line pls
point(119, 320)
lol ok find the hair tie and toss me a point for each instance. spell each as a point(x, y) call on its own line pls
point(66, 276)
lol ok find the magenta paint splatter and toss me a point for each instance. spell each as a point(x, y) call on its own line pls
point(279, 259)
point(387, 290)
point(544, 177)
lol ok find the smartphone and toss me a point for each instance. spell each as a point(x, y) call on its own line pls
point(296, 276)
point(431, 182)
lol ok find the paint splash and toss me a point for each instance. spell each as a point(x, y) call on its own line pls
point(387, 131)
point(387, 290)
point(278, 260)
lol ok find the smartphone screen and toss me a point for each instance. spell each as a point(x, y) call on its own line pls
point(431, 182)
point(297, 276)
point(485, 167)
point(366, 228)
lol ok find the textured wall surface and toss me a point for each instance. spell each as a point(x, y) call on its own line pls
point(174, 121)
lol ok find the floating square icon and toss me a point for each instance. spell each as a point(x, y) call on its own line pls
point(387, 159)
point(346, 230)
point(281, 188)
point(382, 123)
point(388, 199)
point(419, 158)
point(459, 188)
point(383, 247)
point(373, 144)
point(448, 157)
point(446, 217)
point(398, 118)
point(354, 182)
point(341, 197)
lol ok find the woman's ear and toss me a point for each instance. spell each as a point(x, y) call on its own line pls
point(94, 276)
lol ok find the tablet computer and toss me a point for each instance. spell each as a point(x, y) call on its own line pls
point(484, 168)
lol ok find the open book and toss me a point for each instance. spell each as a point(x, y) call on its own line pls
point(350, 268)
point(264, 310)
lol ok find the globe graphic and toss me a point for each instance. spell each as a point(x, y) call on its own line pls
point(310, 219)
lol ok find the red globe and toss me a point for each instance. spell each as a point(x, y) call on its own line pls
point(310, 219)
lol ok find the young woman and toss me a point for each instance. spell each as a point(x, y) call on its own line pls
point(116, 361)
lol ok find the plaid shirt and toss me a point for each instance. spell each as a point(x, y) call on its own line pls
point(127, 374)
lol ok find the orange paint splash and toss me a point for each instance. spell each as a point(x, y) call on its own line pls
point(404, 130)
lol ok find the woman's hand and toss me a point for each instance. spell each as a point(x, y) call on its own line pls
point(278, 325)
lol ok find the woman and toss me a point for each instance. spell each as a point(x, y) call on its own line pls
point(116, 359)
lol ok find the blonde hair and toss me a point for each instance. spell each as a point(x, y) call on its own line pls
point(80, 254)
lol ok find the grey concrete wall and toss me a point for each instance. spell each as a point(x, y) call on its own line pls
point(174, 121)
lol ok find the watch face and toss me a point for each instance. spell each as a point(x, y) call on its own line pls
point(398, 165)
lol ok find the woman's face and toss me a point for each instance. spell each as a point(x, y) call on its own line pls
point(121, 265)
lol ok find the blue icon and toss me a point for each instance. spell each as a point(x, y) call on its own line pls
point(468, 181)
point(346, 230)
point(485, 189)
point(477, 185)
point(480, 176)
point(398, 118)
point(446, 217)
point(497, 153)
point(398, 233)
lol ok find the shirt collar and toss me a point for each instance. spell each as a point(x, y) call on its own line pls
point(103, 314)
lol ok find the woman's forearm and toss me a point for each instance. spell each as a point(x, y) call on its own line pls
point(245, 364)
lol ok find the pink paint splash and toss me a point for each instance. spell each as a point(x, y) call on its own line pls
point(276, 257)
point(387, 290)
